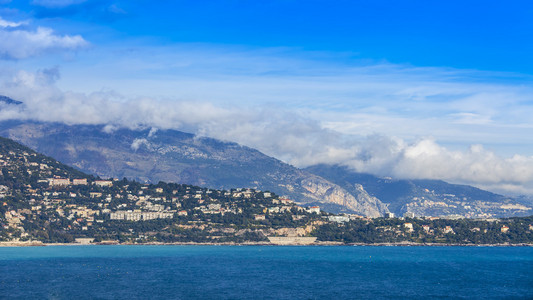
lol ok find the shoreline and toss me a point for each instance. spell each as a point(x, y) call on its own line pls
point(319, 243)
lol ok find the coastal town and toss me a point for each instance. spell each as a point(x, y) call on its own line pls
point(44, 201)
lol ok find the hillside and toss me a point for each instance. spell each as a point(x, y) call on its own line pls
point(174, 156)
point(44, 201)
point(22, 166)
point(151, 156)
point(425, 197)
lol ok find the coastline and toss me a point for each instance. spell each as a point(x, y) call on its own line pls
point(319, 243)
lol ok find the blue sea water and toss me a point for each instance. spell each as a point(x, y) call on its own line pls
point(265, 272)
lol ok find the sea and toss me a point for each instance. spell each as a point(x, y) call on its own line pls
point(266, 272)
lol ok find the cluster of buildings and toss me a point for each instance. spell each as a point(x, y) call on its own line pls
point(53, 197)
point(435, 204)
point(138, 215)
point(86, 203)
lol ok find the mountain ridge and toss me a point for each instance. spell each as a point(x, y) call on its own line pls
point(151, 155)
point(175, 156)
point(424, 197)
point(9, 101)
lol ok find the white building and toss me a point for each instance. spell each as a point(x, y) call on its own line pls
point(389, 215)
point(409, 214)
point(339, 219)
point(59, 181)
point(313, 209)
point(408, 226)
point(103, 183)
point(137, 215)
point(79, 181)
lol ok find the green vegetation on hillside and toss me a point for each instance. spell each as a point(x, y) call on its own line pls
point(44, 200)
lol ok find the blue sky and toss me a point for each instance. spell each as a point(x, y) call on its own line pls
point(481, 35)
point(419, 89)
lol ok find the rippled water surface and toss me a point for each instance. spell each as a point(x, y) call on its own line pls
point(264, 272)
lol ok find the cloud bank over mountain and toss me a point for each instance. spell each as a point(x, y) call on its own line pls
point(292, 89)
point(291, 135)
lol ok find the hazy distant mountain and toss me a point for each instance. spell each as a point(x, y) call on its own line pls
point(174, 156)
point(9, 101)
point(425, 197)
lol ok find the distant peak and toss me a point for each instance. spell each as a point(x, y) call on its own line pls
point(7, 100)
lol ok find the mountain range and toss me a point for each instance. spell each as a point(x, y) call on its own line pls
point(424, 197)
point(150, 155)
point(174, 156)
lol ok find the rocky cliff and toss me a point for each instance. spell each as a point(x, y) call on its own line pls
point(424, 197)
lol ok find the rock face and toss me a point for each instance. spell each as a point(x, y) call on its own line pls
point(424, 197)
point(360, 201)
point(174, 156)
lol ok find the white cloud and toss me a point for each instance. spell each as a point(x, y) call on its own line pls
point(153, 131)
point(8, 24)
point(19, 43)
point(314, 135)
point(354, 99)
point(56, 3)
point(137, 143)
point(113, 8)
point(427, 159)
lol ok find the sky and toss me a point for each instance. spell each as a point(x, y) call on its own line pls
point(403, 89)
